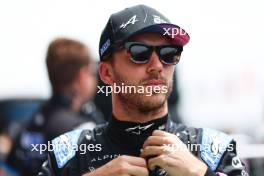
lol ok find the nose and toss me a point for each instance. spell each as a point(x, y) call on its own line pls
point(154, 64)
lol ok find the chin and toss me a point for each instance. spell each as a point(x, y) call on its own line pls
point(154, 102)
point(155, 97)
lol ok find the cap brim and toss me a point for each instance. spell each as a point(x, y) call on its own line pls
point(177, 35)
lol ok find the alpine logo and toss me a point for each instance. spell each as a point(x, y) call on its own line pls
point(138, 129)
point(130, 21)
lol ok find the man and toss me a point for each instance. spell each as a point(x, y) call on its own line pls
point(138, 49)
point(73, 78)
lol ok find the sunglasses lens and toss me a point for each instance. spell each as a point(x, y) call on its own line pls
point(170, 55)
point(140, 53)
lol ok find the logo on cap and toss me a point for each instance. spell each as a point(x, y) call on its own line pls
point(158, 20)
point(130, 21)
point(105, 47)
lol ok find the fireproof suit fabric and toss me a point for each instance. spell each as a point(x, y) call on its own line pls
point(93, 149)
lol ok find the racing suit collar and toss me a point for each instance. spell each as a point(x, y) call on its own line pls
point(131, 135)
point(61, 99)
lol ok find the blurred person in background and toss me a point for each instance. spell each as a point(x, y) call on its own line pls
point(72, 74)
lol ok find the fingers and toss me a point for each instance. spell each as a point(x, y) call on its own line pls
point(183, 165)
point(150, 151)
point(132, 166)
point(165, 134)
point(157, 141)
point(163, 161)
point(137, 171)
point(160, 138)
point(136, 161)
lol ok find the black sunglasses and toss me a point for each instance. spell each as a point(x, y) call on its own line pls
point(141, 52)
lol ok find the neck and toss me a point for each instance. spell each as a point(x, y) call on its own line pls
point(76, 100)
point(76, 104)
point(132, 114)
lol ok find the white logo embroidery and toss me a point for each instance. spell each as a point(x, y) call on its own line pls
point(236, 163)
point(158, 20)
point(137, 129)
point(130, 21)
point(162, 127)
point(104, 157)
point(105, 47)
point(91, 169)
point(244, 173)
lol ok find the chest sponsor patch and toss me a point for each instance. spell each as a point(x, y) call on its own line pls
point(214, 145)
point(64, 147)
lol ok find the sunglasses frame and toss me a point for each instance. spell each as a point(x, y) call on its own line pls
point(157, 49)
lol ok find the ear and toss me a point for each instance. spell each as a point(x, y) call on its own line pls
point(82, 74)
point(106, 73)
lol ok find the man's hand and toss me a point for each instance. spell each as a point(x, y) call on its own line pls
point(170, 153)
point(122, 166)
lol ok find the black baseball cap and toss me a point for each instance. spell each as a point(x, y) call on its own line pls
point(135, 20)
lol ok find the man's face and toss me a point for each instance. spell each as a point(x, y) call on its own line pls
point(88, 81)
point(151, 75)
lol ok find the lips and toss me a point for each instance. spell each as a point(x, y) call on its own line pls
point(155, 83)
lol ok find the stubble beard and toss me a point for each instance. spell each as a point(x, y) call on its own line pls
point(139, 101)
